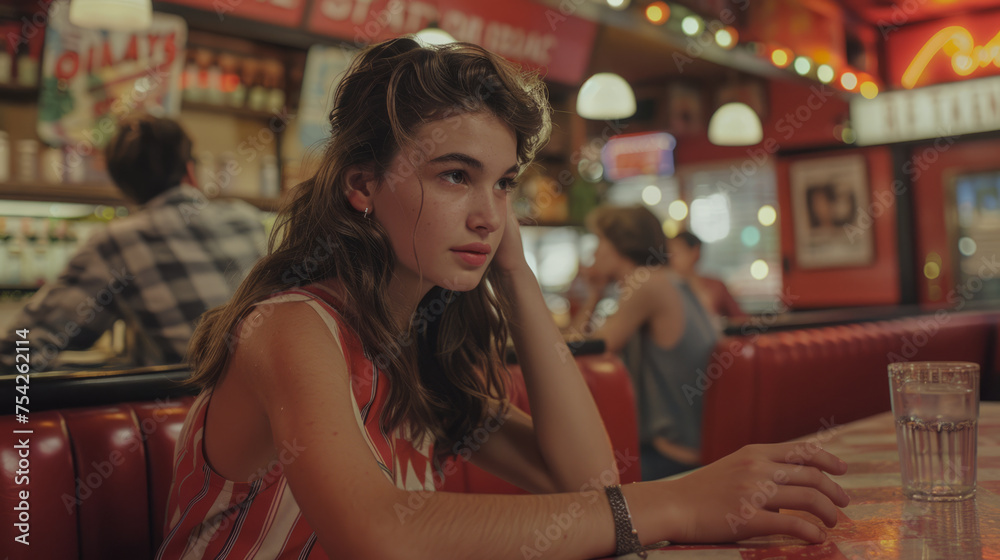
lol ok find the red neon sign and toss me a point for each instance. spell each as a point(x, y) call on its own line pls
point(966, 57)
point(956, 49)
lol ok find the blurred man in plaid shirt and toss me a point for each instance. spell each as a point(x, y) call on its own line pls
point(158, 269)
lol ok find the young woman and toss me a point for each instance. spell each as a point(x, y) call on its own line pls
point(664, 334)
point(369, 341)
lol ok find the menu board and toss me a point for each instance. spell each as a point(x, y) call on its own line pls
point(92, 79)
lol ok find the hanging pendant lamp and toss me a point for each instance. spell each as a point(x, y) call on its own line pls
point(605, 96)
point(735, 124)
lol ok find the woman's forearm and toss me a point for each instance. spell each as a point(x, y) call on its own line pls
point(435, 525)
point(568, 427)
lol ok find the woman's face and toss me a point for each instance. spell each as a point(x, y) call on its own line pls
point(607, 259)
point(467, 164)
point(682, 256)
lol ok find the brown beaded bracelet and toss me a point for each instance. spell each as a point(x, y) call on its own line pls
point(626, 537)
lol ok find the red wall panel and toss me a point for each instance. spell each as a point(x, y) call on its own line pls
point(875, 284)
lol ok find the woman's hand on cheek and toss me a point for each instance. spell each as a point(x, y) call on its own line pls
point(510, 253)
point(595, 280)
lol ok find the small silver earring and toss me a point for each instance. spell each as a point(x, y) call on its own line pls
point(366, 212)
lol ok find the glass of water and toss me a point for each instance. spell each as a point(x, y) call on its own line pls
point(936, 408)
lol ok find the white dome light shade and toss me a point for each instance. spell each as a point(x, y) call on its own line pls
point(434, 36)
point(112, 15)
point(605, 96)
point(735, 124)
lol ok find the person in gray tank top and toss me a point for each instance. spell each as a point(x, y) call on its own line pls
point(664, 334)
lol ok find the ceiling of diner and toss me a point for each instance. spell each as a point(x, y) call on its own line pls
point(901, 12)
point(645, 60)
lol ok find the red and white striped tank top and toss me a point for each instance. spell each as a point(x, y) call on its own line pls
point(209, 516)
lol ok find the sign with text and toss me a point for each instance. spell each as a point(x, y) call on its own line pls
point(91, 79)
point(279, 12)
point(536, 36)
point(944, 50)
point(629, 155)
point(929, 112)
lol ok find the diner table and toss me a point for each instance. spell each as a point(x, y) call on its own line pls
point(880, 523)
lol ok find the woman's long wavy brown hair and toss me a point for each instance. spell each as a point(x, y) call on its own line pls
point(449, 364)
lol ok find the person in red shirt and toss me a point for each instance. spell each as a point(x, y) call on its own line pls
point(369, 343)
point(685, 252)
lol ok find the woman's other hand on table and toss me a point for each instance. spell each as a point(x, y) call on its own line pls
point(738, 496)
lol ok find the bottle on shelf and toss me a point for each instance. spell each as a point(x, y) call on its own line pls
point(270, 186)
point(6, 68)
point(27, 159)
point(213, 81)
point(27, 70)
point(76, 164)
point(257, 99)
point(4, 156)
point(233, 92)
point(195, 76)
point(52, 165)
point(276, 86)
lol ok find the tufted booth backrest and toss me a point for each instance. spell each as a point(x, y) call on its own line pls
point(99, 476)
point(98, 479)
point(781, 385)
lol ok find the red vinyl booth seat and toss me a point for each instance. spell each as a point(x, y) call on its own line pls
point(782, 385)
point(99, 476)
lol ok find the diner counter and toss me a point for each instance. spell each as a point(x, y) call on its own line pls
point(880, 523)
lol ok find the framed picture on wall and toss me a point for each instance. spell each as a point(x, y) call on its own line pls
point(830, 200)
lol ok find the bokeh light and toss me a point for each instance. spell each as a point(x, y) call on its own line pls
point(802, 65)
point(825, 73)
point(652, 195)
point(759, 269)
point(780, 58)
point(767, 215)
point(967, 246)
point(750, 236)
point(869, 90)
point(677, 210)
point(658, 13)
point(932, 270)
point(726, 37)
point(691, 25)
point(849, 80)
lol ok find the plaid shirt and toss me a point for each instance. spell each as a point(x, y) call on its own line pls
point(158, 269)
